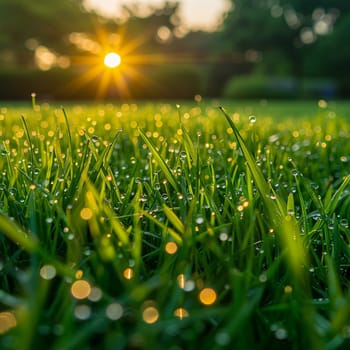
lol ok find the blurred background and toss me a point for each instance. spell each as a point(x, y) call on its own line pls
point(182, 49)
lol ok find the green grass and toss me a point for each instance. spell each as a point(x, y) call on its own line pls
point(254, 200)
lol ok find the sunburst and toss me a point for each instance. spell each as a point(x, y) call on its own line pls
point(112, 65)
point(112, 60)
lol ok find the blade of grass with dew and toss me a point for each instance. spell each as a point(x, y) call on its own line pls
point(70, 147)
point(173, 218)
point(92, 201)
point(136, 249)
point(340, 306)
point(276, 208)
point(164, 167)
point(166, 229)
point(290, 204)
point(262, 185)
point(30, 144)
point(190, 149)
point(331, 205)
point(104, 159)
point(17, 236)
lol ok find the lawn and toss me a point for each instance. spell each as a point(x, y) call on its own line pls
point(148, 225)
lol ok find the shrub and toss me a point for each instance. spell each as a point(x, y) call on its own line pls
point(318, 88)
point(256, 86)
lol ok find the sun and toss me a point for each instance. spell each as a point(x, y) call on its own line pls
point(112, 60)
point(112, 66)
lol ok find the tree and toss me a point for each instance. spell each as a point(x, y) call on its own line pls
point(47, 24)
point(285, 34)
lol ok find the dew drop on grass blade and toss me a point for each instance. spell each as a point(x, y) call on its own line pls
point(167, 172)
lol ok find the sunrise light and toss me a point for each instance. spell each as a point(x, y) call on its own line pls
point(112, 60)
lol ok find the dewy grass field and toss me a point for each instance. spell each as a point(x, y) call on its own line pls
point(156, 226)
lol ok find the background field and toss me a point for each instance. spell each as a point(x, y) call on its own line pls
point(153, 225)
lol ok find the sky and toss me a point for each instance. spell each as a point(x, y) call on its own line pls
point(195, 14)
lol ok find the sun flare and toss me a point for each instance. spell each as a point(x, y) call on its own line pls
point(113, 63)
point(112, 60)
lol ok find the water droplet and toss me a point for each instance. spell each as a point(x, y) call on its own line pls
point(252, 119)
point(344, 223)
point(223, 236)
point(262, 278)
point(12, 191)
point(281, 333)
point(295, 172)
point(189, 286)
point(138, 180)
point(199, 220)
point(273, 138)
point(291, 212)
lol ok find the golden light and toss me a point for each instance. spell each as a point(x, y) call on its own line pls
point(207, 296)
point(171, 248)
point(128, 273)
point(181, 280)
point(109, 63)
point(86, 214)
point(181, 313)
point(7, 321)
point(112, 60)
point(81, 289)
point(150, 314)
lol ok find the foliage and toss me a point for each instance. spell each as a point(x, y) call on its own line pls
point(50, 25)
point(153, 226)
point(258, 86)
point(279, 87)
point(289, 37)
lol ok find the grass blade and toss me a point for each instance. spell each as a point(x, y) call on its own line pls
point(16, 235)
point(164, 167)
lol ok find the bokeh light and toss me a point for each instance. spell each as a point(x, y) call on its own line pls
point(128, 273)
point(207, 296)
point(181, 313)
point(82, 312)
point(7, 321)
point(114, 311)
point(86, 214)
point(171, 248)
point(81, 289)
point(48, 272)
point(150, 314)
